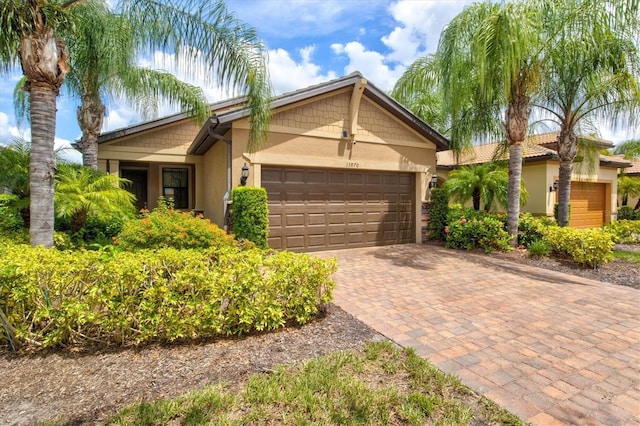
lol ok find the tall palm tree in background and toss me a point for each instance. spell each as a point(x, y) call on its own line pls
point(630, 149)
point(206, 39)
point(202, 36)
point(592, 72)
point(102, 65)
point(490, 62)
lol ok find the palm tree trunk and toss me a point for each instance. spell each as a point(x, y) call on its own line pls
point(42, 163)
point(516, 124)
point(44, 63)
point(567, 150)
point(476, 199)
point(513, 192)
point(90, 118)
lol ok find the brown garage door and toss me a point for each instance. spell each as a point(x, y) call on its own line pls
point(322, 209)
point(587, 204)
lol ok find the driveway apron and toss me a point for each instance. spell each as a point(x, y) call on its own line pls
point(553, 348)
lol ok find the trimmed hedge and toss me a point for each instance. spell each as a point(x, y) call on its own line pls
point(250, 214)
point(438, 212)
point(52, 298)
point(587, 247)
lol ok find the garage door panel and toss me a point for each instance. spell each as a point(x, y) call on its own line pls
point(587, 204)
point(315, 209)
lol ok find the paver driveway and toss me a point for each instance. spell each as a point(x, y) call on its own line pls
point(549, 347)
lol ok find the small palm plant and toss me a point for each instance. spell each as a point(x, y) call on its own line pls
point(81, 192)
point(482, 183)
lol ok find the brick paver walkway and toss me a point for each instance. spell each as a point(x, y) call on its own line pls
point(549, 347)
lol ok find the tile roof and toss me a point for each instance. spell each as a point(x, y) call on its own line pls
point(536, 146)
point(635, 167)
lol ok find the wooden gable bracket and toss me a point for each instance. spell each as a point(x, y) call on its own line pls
point(354, 107)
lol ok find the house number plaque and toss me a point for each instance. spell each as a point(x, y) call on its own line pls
point(352, 165)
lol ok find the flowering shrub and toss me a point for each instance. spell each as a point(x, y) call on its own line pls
point(165, 227)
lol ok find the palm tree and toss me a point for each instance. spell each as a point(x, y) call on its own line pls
point(206, 38)
point(82, 192)
point(102, 66)
point(28, 31)
point(592, 73)
point(490, 55)
point(628, 187)
point(630, 149)
point(105, 48)
point(486, 183)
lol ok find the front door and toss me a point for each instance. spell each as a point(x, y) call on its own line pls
point(137, 186)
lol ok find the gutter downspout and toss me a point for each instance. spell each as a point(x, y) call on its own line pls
point(225, 199)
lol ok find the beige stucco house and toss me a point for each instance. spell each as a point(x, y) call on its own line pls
point(593, 187)
point(344, 166)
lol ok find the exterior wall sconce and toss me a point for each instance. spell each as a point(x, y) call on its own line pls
point(244, 175)
point(433, 183)
point(554, 188)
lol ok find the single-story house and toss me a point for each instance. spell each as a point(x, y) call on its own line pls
point(593, 188)
point(344, 166)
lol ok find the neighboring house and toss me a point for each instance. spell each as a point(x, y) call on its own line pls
point(344, 166)
point(633, 172)
point(593, 187)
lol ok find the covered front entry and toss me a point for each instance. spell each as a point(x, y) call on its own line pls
point(319, 209)
point(588, 204)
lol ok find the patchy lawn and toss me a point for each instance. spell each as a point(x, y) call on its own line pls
point(381, 385)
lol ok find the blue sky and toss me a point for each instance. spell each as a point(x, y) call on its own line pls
point(309, 41)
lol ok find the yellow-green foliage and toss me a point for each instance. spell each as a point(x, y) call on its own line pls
point(587, 247)
point(625, 231)
point(56, 298)
point(165, 227)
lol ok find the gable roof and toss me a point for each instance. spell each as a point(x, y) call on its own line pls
point(219, 124)
point(170, 119)
point(536, 147)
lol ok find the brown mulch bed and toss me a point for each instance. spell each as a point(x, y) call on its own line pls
point(619, 272)
point(87, 388)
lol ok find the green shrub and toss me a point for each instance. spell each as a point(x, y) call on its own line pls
point(624, 231)
point(250, 214)
point(10, 219)
point(555, 211)
point(165, 227)
point(438, 212)
point(627, 213)
point(538, 248)
point(587, 247)
point(486, 232)
point(58, 298)
point(531, 228)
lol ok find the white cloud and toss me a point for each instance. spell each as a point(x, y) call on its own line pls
point(288, 75)
point(119, 116)
point(421, 22)
point(370, 63)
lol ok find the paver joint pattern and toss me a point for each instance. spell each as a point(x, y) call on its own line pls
point(549, 347)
